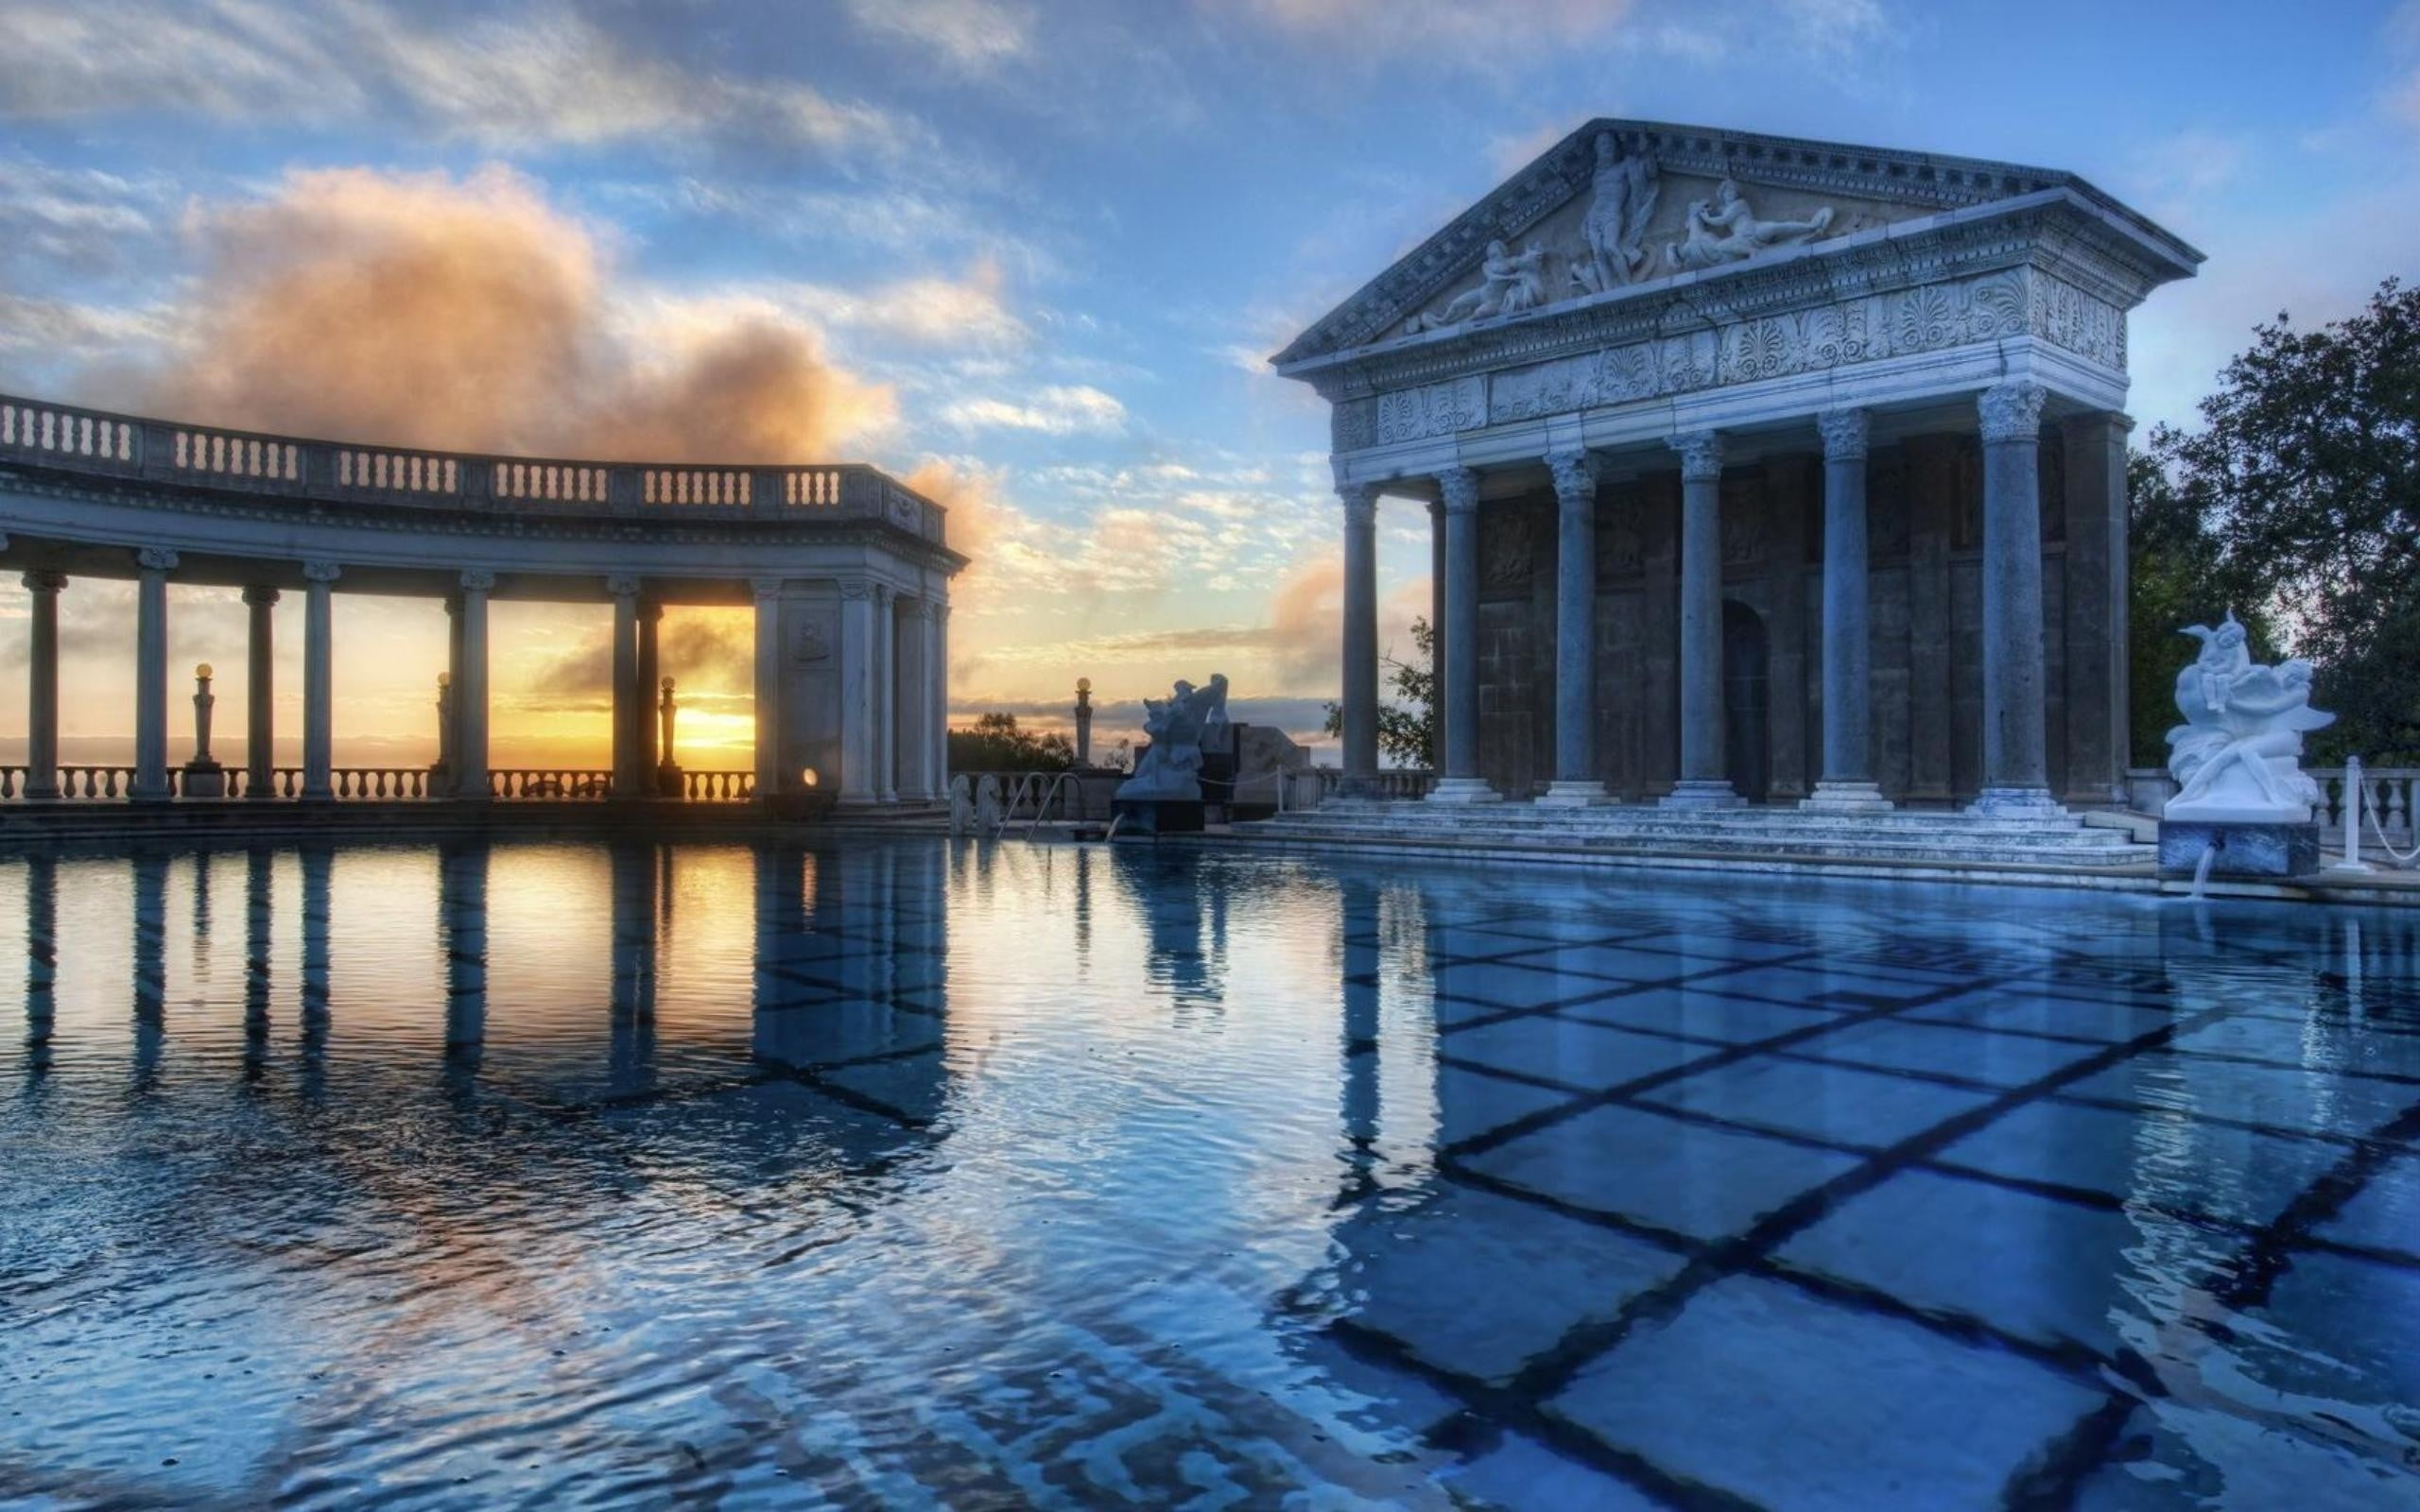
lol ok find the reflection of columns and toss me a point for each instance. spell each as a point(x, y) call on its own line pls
point(1360, 651)
point(1702, 783)
point(150, 933)
point(857, 702)
point(470, 754)
point(2015, 769)
point(152, 675)
point(258, 877)
point(1576, 782)
point(318, 863)
point(644, 690)
point(1847, 783)
point(908, 685)
point(260, 694)
point(629, 777)
point(42, 953)
point(42, 686)
point(634, 990)
point(1460, 782)
point(881, 689)
point(319, 679)
point(767, 710)
point(1359, 920)
point(462, 921)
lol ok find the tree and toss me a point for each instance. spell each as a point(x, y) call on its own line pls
point(996, 745)
point(2179, 576)
point(1405, 729)
point(2303, 482)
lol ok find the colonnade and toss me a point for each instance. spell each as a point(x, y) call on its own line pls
point(2015, 767)
point(893, 722)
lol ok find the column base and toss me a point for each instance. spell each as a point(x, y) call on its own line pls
point(1464, 790)
point(1703, 794)
point(2017, 803)
point(1567, 794)
point(1846, 798)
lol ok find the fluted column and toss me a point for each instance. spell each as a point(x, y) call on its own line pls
point(881, 682)
point(1460, 781)
point(1703, 783)
point(319, 677)
point(151, 676)
point(937, 665)
point(260, 693)
point(1576, 784)
point(42, 686)
point(649, 680)
point(1360, 650)
point(629, 777)
point(858, 706)
point(767, 593)
point(471, 688)
point(909, 678)
point(1846, 785)
point(2015, 759)
point(1437, 633)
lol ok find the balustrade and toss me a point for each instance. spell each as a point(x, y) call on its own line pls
point(812, 488)
point(719, 787)
point(225, 454)
point(711, 487)
point(553, 482)
point(72, 433)
point(2391, 791)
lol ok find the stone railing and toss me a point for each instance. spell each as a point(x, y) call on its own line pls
point(2393, 791)
point(63, 437)
point(550, 782)
point(374, 783)
point(717, 787)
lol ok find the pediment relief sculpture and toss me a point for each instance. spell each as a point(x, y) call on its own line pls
point(1724, 230)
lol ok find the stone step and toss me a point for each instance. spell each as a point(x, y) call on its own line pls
point(1673, 825)
point(1928, 820)
point(2077, 858)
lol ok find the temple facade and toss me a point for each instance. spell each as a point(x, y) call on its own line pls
point(1759, 470)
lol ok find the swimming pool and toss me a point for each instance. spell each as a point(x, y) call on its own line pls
point(915, 1172)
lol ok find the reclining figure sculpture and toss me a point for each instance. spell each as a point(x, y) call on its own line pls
point(1177, 725)
point(2237, 758)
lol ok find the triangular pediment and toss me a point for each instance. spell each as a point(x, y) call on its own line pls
point(1622, 203)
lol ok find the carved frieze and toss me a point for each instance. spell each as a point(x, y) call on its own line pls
point(1436, 409)
point(2066, 316)
point(1509, 550)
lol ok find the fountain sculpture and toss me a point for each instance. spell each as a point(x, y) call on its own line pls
point(2243, 803)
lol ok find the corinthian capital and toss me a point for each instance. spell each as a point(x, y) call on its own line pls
point(623, 585)
point(1844, 434)
point(2012, 411)
point(1360, 502)
point(1701, 455)
point(1575, 476)
point(321, 572)
point(478, 581)
point(156, 559)
point(1461, 487)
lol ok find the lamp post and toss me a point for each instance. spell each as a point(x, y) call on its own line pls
point(1083, 723)
point(441, 772)
point(204, 776)
point(667, 771)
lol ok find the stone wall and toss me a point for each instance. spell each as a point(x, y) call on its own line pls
point(1925, 516)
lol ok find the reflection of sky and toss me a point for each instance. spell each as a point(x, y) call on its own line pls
point(1047, 1174)
point(1063, 238)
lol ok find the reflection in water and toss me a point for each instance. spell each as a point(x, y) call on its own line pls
point(966, 1174)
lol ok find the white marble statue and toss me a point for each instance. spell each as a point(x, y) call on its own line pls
point(1624, 192)
point(1171, 769)
point(1724, 230)
point(1509, 283)
point(2237, 758)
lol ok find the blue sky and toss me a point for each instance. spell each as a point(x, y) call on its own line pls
point(1038, 250)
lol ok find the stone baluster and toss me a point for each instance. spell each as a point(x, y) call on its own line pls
point(1460, 782)
point(151, 783)
point(260, 693)
point(42, 686)
point(1703, 783)
point(319, 679)
point(1846, 785)
point(2015, 755)
point(1576, 784)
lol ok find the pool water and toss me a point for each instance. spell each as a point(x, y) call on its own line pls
point(908, 1174)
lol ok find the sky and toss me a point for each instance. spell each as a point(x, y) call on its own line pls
point(1029, 254)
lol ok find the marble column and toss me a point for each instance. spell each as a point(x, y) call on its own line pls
point(1436, 633)
point(151, 676)
point(2016, 758)
point(629, 710)
point(1360, 650)
point(858, 706)
point(319, 677)
point(1460, 781)
point(42, 686)
point(911, 629)
point(881, 681)
point(1576, 784)
point(767, 712)
point(1846, 785)
point(260, 693)
point(2096, 694)
point(470, 689)
point(1702, 783)
point(937, 705)
point(650, 684)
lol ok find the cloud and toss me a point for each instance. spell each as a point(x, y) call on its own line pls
point(546, 76)
point(1054, 409)
point(972, 495)
point(471, 314)
point(708, 652)
point(1445, 30)
point(968, 36)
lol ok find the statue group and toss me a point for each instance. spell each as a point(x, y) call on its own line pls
point(1179, 724)
point(2237, 758)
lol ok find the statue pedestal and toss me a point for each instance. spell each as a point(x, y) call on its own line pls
point(203, 780)
point(2244, 848)
point(670, 781)
point(1157, 815)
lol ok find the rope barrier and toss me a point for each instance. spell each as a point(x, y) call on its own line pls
point(2378, 828)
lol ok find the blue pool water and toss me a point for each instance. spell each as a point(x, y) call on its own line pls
point(907, 1175)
